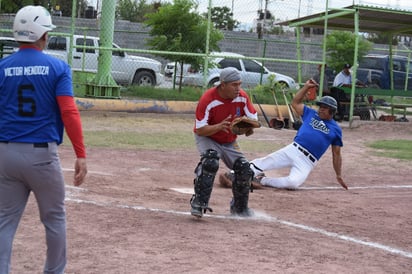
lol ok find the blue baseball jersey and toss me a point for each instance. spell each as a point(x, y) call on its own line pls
point(316, 135)
point(30, 80)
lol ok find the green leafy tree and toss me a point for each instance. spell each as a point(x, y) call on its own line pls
point(14, 6)
point(135, 11)
point(178, 28)
point(382, 38)
point(126, 10)
point(340, 48)
point(222, 18)
point(274, 29)
point(66, 7)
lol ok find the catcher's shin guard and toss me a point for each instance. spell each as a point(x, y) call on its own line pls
point(241, 187)
point(203, 183)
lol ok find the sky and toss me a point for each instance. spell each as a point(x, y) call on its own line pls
point(245, 11)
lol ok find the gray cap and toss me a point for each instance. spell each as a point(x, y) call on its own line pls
point(229, 74)
point(328, 101)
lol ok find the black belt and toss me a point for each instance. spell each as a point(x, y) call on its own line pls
point(34, 144)
point(305, 152)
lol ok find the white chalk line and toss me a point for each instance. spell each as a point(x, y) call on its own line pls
point(304, 188)
point(190, 190)
point(260, 216)
point(356, 187)
point(90, 172)
point(103, 173)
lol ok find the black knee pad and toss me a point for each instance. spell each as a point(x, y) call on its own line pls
point(241, 186)
point(205, 175)
point(242, 170)
point(210, 161)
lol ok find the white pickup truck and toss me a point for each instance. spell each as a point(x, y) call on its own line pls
point(126, 69)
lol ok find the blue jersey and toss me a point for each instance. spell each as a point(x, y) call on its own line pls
point(30, 80)
point(316, 135)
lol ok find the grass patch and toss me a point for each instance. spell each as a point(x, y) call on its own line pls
point(261, 146)
point(142, 131)
point(136, 131)
point(192, 94)
point(186, 94)
point(139, 140)
point(160, 141)
point(399, 149)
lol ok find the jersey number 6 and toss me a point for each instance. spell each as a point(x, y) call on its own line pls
point(27, 105)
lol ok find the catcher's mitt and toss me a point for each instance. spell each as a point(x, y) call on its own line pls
point(244, 125)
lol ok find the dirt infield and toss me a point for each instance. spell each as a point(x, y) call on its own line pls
point(132, 214)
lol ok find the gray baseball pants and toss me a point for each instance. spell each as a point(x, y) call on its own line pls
point(36, 168)
point(228, 153)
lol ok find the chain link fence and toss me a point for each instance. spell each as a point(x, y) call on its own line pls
point(249, 28)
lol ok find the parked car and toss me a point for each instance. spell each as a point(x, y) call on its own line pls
point(374, 70)
point(7, 46)
point(170, 68)
point(251, 72)
point(125, 69)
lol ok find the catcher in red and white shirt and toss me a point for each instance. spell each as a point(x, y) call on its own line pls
point(216, 110)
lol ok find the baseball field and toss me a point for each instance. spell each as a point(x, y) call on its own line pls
point(132, 213)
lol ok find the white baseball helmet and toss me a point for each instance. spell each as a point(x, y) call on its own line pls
point(30, 23)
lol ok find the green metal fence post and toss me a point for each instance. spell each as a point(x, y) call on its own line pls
point(103, 84)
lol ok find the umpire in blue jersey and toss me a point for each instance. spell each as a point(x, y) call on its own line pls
point(36, 105)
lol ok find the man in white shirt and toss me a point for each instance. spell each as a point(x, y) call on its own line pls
point(342, 79)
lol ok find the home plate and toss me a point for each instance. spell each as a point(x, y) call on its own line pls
point(183, 190)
